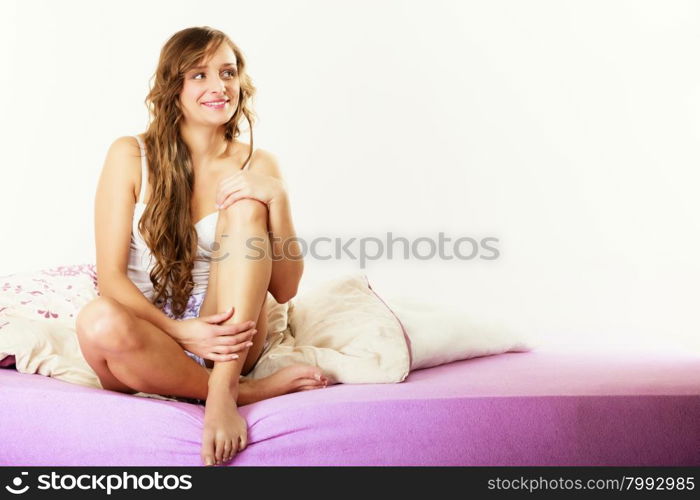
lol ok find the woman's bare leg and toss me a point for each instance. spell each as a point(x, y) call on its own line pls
point(132, 355)
point(244, 277)
point(292, 378)
point(242, 274)
point(212, 303)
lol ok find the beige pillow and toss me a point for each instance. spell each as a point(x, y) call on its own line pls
point(276, 314)
point(49, 348)
point(344, 328)
point(441, 334)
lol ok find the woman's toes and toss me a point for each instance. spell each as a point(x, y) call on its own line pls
point(296, 371)
point(310, 387)
point(311, 372)
point(307, 382)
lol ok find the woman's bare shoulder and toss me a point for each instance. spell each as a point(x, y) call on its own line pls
point(124, 158)
point(262, 160)
point(266, 163)
point(126, 146)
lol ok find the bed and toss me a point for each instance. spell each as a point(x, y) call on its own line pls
point(565, 405)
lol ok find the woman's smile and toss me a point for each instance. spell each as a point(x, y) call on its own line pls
point(216, 104)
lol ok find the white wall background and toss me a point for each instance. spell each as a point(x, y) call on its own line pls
point(570, 130)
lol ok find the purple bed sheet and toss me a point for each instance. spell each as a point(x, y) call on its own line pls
point(553, 406)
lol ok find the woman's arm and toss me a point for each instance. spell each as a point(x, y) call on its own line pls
point(287, 271)
point(287, 262)
point(114, 211)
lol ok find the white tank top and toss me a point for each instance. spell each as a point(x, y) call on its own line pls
point(141, 260)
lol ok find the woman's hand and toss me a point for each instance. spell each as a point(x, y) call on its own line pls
point(247, 184)
point(205, 337)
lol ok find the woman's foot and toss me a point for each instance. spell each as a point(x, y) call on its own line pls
point(225, 432)
point(291, 378)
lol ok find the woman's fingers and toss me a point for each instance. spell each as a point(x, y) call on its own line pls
point(225, 346)
point(218, 317)
point(228, 346)
point(234, 328)
point(241, 195)
point(231, 198)
point(229, 340)
point(234, 193)
point(237, 339)
point(222, 357)
point(239, 347)
point(227, 192)
point(231, 349)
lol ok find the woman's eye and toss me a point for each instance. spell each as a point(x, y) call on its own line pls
point(230, 71)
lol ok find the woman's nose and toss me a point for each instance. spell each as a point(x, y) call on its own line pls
point(220, 84)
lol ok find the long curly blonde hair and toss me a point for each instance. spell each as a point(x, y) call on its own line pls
point(166, 225)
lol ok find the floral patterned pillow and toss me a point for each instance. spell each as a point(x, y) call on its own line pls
point(54, 294)
point(48, 294)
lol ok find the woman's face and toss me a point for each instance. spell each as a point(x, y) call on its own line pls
point(216, 80)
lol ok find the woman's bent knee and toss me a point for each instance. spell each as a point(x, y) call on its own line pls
point(106, 324)
point(245, 210)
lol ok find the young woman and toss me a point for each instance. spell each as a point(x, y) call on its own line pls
point(178, 210)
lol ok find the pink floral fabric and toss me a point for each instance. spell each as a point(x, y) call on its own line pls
point(56, 293)
point(52, 294)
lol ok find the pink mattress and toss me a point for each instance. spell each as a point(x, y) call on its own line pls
point(553, 406)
